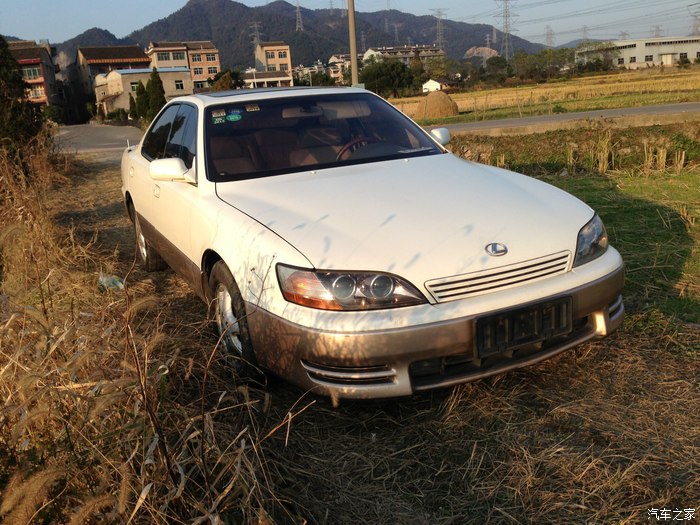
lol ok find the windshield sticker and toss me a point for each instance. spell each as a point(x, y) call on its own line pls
point(218, 116)
point(252, 107)
point(234, 116)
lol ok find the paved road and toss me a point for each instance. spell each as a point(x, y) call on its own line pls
point(98, 138)
point(666, 113)
point(111, 140)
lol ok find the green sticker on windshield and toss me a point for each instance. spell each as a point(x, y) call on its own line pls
point(233, 117)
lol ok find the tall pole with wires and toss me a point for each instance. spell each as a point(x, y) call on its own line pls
point(506, 15)
point(353, 43)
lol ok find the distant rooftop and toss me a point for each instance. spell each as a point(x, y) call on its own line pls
point(132, 53)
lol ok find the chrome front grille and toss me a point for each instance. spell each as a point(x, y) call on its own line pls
point(478, 283)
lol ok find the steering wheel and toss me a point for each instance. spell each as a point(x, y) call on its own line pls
point(352, 145)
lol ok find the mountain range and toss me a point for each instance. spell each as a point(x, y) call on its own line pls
point(231, 26)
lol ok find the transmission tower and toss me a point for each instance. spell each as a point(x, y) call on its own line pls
point(506, 15)
point(548, 37)
point(484, 56)
point(657, 31)
point(363, 41)
point(255, 34)
point(331, 2)
point(695, 30)
point(300, 22)
point(396, 34)
point(624, 35)
point(494, 35)
point(584, 33)
point(439, 13)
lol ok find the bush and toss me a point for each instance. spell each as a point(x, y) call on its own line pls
point(54, 113)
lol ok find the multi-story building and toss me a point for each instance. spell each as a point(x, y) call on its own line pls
point(273, 57)
point(339, 64)
point(112, 90)
point(644, 52)
point(38, 70)
point(201, 57)
point(93, 61)
point(405, 53)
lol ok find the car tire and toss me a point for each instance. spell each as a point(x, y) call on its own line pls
point(147, 255)
point(229, 318)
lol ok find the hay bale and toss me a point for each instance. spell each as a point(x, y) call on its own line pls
point(436, 105)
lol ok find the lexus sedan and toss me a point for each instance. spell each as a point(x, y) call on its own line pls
point(342, 247)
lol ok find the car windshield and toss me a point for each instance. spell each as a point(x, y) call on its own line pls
point(251, 139)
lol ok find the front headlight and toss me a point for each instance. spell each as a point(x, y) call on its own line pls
point(331, 290)
point(592, 242)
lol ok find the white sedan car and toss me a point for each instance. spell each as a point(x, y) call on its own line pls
point(345, 249)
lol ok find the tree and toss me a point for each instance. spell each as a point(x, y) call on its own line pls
point(141, 100)
point(226, 79)
point(20, 120)
point(156, 94)
point(386, 77)
point(132, 108)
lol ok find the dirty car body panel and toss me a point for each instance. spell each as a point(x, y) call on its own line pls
point(367, 260)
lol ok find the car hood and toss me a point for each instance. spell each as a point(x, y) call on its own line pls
point(420, 218)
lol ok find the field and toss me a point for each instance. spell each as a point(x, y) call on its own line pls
point(118, 408)
point(626, 89)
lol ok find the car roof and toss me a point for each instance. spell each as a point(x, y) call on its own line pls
point(239, 95)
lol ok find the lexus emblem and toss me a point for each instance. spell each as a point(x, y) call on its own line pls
point(496, 249)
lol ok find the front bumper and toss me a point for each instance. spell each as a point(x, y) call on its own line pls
point(399, 362)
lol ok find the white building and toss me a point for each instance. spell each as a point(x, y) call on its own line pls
point(646, 52)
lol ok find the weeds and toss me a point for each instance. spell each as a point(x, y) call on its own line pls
point(104, 415)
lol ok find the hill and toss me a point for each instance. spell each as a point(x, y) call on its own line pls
point(230, 25)
point(91, 37)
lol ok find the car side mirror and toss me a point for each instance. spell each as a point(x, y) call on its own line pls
point(172, 170)
point(441, 135)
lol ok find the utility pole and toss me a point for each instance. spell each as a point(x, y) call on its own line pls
point(353, 43)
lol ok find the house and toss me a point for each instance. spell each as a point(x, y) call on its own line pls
point(38, 70)
point(258, 79)
point(93, 61)
point(201, 57)
point(438, 84)
point(338, 64)
point(405, 54)
point(112, 89)
point(644, 52)
point(274, 57)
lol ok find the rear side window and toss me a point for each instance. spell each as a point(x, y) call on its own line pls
point(155, 141)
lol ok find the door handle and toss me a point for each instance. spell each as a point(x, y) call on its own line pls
point(131, 171)
point(156, 191)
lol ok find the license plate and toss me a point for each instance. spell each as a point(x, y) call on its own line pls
point(525, 326)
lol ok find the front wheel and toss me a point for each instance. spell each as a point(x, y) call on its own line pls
point(150, 259)
point(229, 316)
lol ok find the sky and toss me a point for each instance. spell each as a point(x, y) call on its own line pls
point(544, 21)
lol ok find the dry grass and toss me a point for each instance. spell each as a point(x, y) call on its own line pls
point(110, 410)
point(666, 84)
point(112, 414)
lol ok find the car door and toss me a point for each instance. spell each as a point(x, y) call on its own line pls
point(173, 200)
point(141, 186)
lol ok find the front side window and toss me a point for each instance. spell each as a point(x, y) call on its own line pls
point(183, 136)
point(133, 86)
point(211, 57)
point(271, 67)
point(196, 58)
point(179, 85)
point(199, 71)
point(36, 92)
point(157, 137)
point(179, 55)
point(199, 84)
point(270, 55)
point(282, 54)
point(284, 67)
point(263, 138)
point(212, 70)
point(620, 61)
point(163, 56)
point(648, 58)
point(684, 56)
